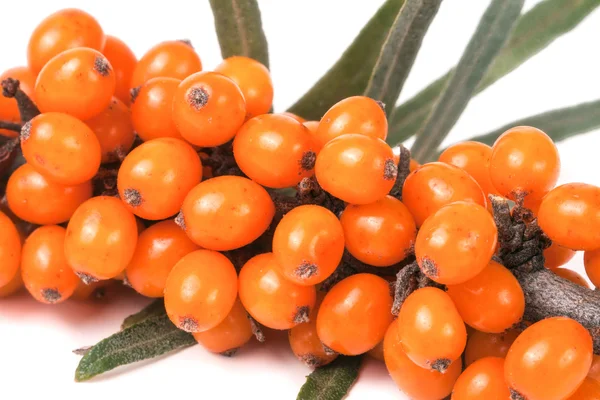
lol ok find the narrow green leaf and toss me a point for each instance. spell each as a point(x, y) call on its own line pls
point(534, 31)
point(239, 29)
point(350, 74)
point(157, 307)
point(148, 339)
point(331, 382)
point(400, 50)
point(491, 34)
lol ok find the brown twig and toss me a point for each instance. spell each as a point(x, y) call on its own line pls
point(27, 108)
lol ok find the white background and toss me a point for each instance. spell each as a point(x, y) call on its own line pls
point(305, 38)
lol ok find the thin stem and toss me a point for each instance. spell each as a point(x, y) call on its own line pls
point(27, 108)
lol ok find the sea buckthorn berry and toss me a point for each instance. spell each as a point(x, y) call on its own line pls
point(208, 109)
point(151, 112)
point(170, 59)
point(9, 111)
point(114, 131)
point(13, 286)
point(231, 334)
point(377, 352)
point(294, 116)
point(44, 268)
point(123, 61)
point(570, 216)
point(226, 213)
point(492, 301)
point(484, 379)
point(10, 249)
point(101, 238)
point(557, 255)
point(481, 344)
point(433, 185)
point(591, 261)
point(79, 82)
point(456, 243)
point(62, 148)
point(308, 244)
point(594, 371)
point(355, 314)
point(588, 390)
point(35, 199)
point(158, 249)
point(200, 291)
point(413, 165)
point(524, 162)
point(356, 168)
point(572, 276)
point(381, 233)
point(416, 382)
point(253, 79)
point(272, 300)
point(156, 176)
point(63, 30)
point(357, 114)
point(549, 360)
point(269, 140)
point(93, 290)
point(432, 332)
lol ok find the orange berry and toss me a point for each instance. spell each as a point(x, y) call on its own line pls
point(308, 244)
point(481, 344)
point(13, 286)
point(158, 249)
point(572, 276)
point(413, 165)
point(200, 291)
point(62, 148)
point(356, 168)
point(123, 61)
point(594, 371)
point(226, 213)
point(114, 131)
point(10, 250)
point(588, 390)
point(208, 109)
point(549, 360)
point(151, 112)
point(9, 111)
point(484, 379)
point(294, 116)
point(377, 352)
point(591, 261)
point(557, 255)
point(93, 290)
point(434, 185)
point(270, 298)
point(381, 233)
point(355, 314)
point(154, 169)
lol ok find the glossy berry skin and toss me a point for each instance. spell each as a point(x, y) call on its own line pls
point(9, 111)
point(10, 250)
point(357, 114)
point(44, 268)
point(231, 334)
point(101, 238)
point(308, 244)
point(63, 30)
point(524, 161)
point(158, 249)
point(434, 185)
point(123, 61)
point(79, 82)
point(484, 379)
point(153, 170)
point(594, 371)
point(416, 382)
point(208, 109)
point(588, 390)
point(456, 243)
point(272, 300)
point(570, 216)
point(557, 255)
point(294, 116)
point(114, 131)
point(492, 301)
point(379, 234)
point(62, 148)
point(481, 345)
point(355, 314)
point(12, 287)
point(35, 199)
point(226, 213)
point(200, 291)
point(591, 261)
point(357, 169)
point(170, 59)
point(549, 360)
point(572, 276)
point(151, 112)
point(274, 139)
point(253, 79)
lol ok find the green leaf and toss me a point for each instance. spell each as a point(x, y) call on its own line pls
point(350, 74)
point(239, 29)
point(331, 382)
point(491, 34)
point(157, 307)
point(534, 31)
point(148, 339)
point(400, 50)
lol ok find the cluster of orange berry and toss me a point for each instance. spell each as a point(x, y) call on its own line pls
point(163, 126)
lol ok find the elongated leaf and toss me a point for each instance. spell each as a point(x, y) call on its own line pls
point(239, 29)
point(534, 31)
point(491, 34)
point(350, 74)
point(157, 307)
point(331, 382)
point(400, 50)
point(148, 339)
